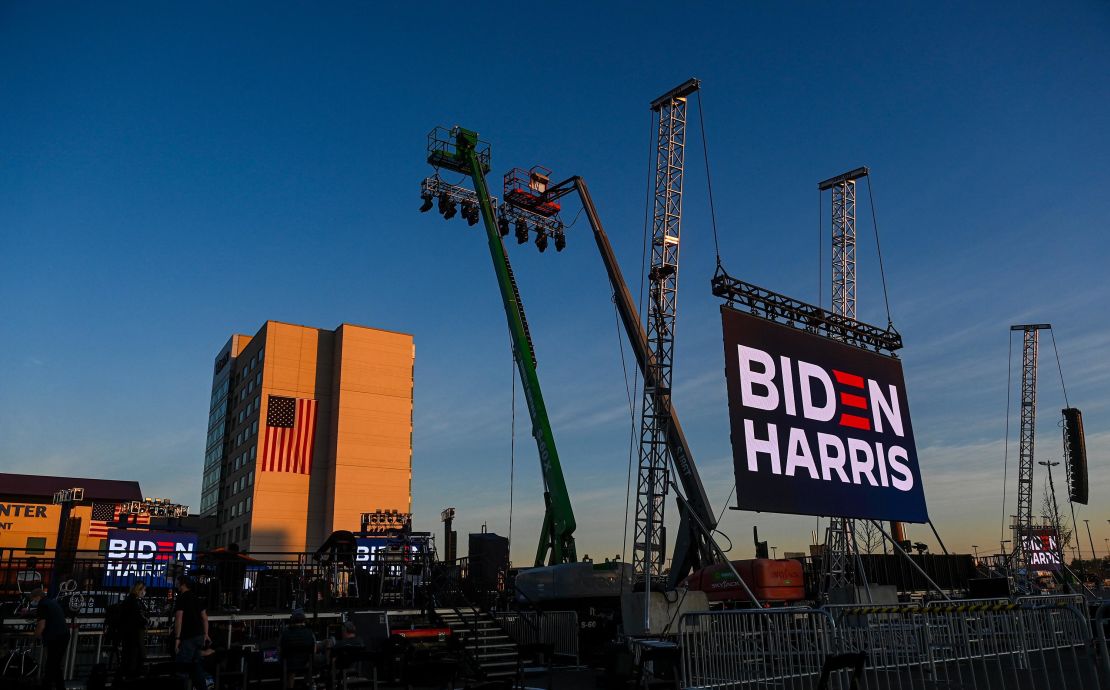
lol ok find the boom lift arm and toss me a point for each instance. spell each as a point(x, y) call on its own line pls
point(693, 547)
point(460, 152)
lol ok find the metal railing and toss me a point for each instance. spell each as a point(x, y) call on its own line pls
point(556, 628)
point(988, 644)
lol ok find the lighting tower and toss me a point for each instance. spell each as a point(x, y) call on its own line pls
point(649, 539)
point(1024, 519)
point(838, 539)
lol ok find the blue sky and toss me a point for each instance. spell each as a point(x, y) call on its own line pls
point(172, 174)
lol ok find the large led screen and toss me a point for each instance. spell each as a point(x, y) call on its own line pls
point(819, 427)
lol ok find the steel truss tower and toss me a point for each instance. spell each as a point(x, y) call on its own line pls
point(649, 537)
point(840, 538)
point(1026, 435)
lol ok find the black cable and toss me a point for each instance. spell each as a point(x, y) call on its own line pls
point(1059, 368)
point(878, 250)
point(708, 179)
point(1006, 452)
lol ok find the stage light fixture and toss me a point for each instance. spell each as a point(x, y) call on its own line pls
point(503, 226)
point(470, 213)
point(560, 241)
point(521, 231)
point(447, 206)
point(427, 205)
point(541, 241)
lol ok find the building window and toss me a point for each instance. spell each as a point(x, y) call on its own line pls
point(254, 428)
point(254, 450)
point(258, 379)
point(36, 545)
point(248, 504)
point(250, 478)
point(240, 504)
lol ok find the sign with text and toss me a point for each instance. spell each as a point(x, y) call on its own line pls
point(1042, 549)
point(818, 427)
point(147, 556)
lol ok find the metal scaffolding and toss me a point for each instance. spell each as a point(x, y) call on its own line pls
point(1026, 436)
point(649, 537)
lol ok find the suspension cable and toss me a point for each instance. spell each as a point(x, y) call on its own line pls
point(1058, 367)
point(879, 251)
point(640, 304)
point(708, 179)
point(1006, 451)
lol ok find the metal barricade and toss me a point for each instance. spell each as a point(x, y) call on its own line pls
point(780, 648)
point(991, 645)
point(557, 628)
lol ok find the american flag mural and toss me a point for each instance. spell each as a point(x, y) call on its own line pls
point(290, 435)
point(103, 513)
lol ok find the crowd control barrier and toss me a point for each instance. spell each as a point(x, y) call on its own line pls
point(992, 644)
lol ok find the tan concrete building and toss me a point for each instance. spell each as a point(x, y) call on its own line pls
point(308, 429)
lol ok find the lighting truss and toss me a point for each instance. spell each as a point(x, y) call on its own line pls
point(435, 186)
point(788, 311)
point(552, 227)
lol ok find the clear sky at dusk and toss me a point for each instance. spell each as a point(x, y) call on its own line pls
point(170, 174)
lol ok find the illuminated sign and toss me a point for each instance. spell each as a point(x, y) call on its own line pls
point(818, 427)
point(147, 556)
point(1042, 549)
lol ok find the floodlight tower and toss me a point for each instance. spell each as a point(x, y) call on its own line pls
point(838, 540)
point(1024, 519)
point(649, 537)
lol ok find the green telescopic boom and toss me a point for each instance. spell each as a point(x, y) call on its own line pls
point(557, 540)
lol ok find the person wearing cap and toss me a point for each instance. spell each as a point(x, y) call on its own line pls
point(190, 631)
point(297, 647)
point(50, 626)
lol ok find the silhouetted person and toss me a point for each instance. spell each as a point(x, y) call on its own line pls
point(51, 627)
point(132, 632)
point(190, 628)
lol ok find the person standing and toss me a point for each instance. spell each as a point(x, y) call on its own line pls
point(51, 628)
point(132, 632)
point(190, 631)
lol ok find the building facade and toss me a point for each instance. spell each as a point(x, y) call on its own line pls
point(29, 518)
point(308, 428)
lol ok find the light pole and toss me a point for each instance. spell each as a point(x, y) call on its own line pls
point(975, 547)
point(1090, 539)
point(1055, 508)
point(64, 498)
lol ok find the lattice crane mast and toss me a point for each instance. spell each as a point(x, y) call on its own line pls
point(649, 535)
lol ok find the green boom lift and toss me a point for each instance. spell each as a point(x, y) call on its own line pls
point(459, 150)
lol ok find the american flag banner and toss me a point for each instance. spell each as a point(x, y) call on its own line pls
point(290, 435)
point(103, 513)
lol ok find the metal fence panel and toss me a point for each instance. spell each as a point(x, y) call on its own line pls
point(995, 644)
point(558, 628)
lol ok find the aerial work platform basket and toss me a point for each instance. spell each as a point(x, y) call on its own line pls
point(527, 188)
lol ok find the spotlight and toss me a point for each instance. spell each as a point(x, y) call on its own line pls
point(560, 241)
point(470, 212)
point(427, 205)
point(541, 241)
point(521, 231)
point(446, 206)
point(503, 226)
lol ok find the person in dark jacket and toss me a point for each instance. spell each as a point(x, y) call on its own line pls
point(51, 627)
point(132, 632)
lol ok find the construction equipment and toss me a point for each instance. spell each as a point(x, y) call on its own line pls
point(693, 548)
point(459, 150)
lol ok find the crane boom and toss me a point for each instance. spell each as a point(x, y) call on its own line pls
point(460, 153)
point(693, 548)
